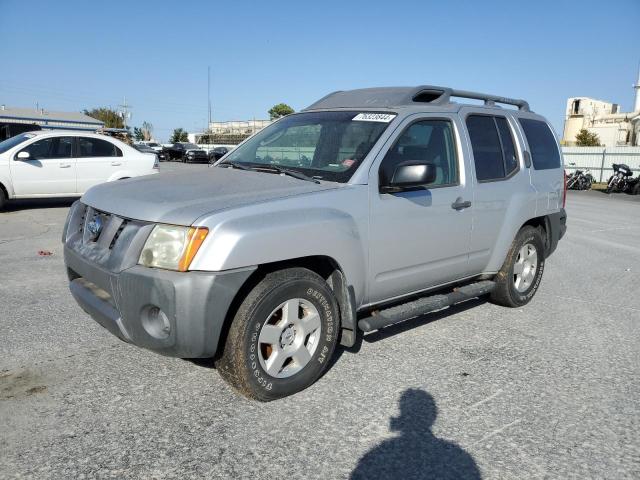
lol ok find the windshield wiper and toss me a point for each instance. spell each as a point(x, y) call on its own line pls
point(233, 165)
point(286, 171)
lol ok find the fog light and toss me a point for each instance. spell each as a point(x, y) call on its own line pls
point(155, 322)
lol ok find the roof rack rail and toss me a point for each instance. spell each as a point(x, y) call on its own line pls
point(431, 92)
point(391, 97)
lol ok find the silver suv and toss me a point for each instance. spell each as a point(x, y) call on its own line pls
point(368, 208)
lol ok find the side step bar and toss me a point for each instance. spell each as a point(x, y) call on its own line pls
point(415, 308)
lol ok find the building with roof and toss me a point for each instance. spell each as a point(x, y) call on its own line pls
point(613, 127)
point(46, 119)
point(229, 133)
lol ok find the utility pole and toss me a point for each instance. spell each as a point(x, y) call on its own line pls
point(209, 94)
point(125, 111)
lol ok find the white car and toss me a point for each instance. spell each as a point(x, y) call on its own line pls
point(155, 146)
point(66, 163)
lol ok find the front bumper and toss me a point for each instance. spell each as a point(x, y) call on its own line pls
point(198, 157)
point(195, 304)
point(108, 284)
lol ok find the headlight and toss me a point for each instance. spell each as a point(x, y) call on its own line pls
point(172, 247)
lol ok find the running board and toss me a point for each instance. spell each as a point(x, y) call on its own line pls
point(415, 308)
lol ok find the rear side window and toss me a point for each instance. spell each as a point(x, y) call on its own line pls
point(543, 146)
point(95, 147)
point(494, 153)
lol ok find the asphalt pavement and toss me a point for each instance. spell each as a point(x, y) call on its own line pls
point(550, 390)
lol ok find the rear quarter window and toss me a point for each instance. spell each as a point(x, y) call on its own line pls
point(543, 146)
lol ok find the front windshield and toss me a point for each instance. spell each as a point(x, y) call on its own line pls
point(13, 141)
point(323, 145)
point(191, 146)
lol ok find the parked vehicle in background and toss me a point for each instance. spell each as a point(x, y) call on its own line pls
point(619, 181)
point(217, 153)
point(57, 163)
point(154, 145)
point(144, 148)
point(186, 152)
point(580, 180)
point(8, 130)
point(634, 185)
point(366, 209)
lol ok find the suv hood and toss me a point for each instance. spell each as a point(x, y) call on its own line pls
point(180, 198)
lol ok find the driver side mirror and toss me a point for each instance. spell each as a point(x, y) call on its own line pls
point(409, 174)
point(23, 155)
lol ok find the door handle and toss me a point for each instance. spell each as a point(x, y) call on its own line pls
point(65, 165)
point(459, 204)
point(115, 164)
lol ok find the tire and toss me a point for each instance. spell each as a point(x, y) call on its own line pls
point(515, 289)
point(636, 191)
point(261, 329)
point(3, 199)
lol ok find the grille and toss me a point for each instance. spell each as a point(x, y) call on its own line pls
point(117, 234)
point(82, 218)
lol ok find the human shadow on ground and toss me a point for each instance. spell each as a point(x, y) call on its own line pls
point(416, 453)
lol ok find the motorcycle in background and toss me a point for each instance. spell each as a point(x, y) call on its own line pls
point(620, 181)
point(580, 180)
point(634, 185)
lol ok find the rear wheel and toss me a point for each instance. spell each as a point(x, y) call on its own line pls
point(282, 336)
point(636, 188)
point(520, 275)
point(588, 184)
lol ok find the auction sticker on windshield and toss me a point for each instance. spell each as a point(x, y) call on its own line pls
point(374, 117)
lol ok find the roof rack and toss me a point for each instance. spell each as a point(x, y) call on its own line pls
point(446, 93)
point(388, 97)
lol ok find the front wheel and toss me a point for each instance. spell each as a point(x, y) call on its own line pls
point(520, 275)
point(3, 199)
point(610, 185)
point(282, 336)
point(636, 189)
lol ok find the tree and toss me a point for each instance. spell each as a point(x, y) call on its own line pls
point(110, 117)
point(147, 131)
point(143, 133)
point(280, 110)
point(179, 135)
point(585, 138)
point(138, 133)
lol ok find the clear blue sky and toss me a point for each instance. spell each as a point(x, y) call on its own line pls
point(71, 55)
